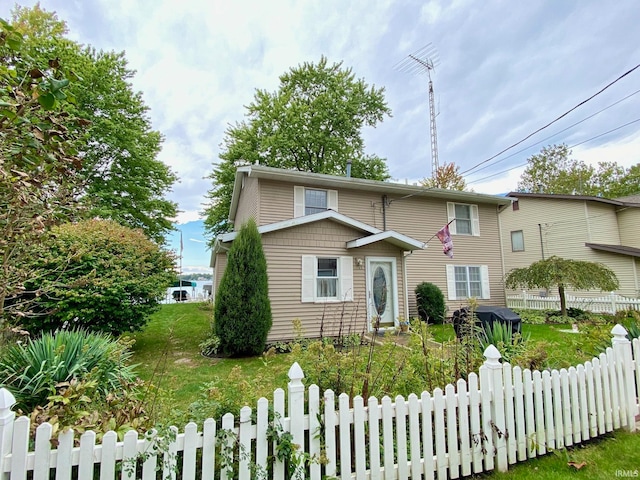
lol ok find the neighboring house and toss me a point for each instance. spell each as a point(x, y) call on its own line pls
point(341, 250)
point(578, 227)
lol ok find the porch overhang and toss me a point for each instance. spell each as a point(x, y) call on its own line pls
point(619, 249)
point(390, 236)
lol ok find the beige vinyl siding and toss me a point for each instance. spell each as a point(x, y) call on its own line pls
point(248, 202)
point(629, 226)
point(284, 250)
point(565, 227)
point(421, 218)
point(221, 264)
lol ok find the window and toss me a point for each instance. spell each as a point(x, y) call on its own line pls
point(517, 241)
point(465, 281)
point(327, 278)
point(463, 219)
point(307, 201)
point(315, 201)
point(515, 205)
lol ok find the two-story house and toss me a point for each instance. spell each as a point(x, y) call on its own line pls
point(342, 250)
point(578, 227)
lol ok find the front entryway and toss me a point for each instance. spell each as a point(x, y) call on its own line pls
point(382, 292)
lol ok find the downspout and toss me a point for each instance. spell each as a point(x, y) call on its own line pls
point(384, 213)
point(541, 242)
point(406, 282)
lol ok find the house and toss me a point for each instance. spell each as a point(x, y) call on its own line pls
point(579, 227)
point(342, 250)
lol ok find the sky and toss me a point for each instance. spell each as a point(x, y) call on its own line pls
point(503, 69)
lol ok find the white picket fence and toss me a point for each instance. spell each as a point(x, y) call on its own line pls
point(502, 416)
point(610, 303)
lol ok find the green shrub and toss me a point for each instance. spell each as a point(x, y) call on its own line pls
point(501, 336)
point(99, 276)
point(242, 311)
point(532, 317)
point(430, 303)
point(37, 369)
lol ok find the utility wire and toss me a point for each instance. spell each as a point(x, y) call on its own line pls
point(553, 121)
point(558, 132)
point(571, 146)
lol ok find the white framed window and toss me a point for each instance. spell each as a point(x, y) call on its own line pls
point(307, 201)
point(465, 281)
point(517, 241)
point(463, 219)
point(327, 278)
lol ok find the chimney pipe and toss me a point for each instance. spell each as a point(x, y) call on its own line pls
point(348, 168)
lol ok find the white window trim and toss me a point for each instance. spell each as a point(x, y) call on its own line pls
point(522, 237)
point(310, 276)
point(451, 281)
point(299, 200)
point(475, 219)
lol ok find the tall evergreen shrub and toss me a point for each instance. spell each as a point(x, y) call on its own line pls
point(242, 312)
point(430, 302)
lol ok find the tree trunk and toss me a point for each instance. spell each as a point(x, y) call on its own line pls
point(563, 301)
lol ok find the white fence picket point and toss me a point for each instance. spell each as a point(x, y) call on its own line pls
point(7, 418)
point(42, 452)
point(171, 457)
point(20, 449)
point(426, 405)
point(388, 439)
point(520, 433)
point(150, 463)
point(540, 442)
point(557, 408)
point(87, 458)
point(227, 446)
point(108, 459)
point(330, 433)
point(401, 438)
point(359, 444)
point(374, 438)
point(345, 436)
point(278, 409)
point(590, 407)
point(129, 455)
point(315, 470)
point(567, 425)
point(209, 448)
point(244, 444)
point(530, 422)
point(463, 427)
point(576, 421)
point(613, 388)
point(509, 413)
point(440, 433)
point(550, 429)
point(190, 451)
point(452, 431)
point(64, 459)
point(262, 424)
point(296, 404)
point(475, 422)
point(627, 382)
point(414, 436)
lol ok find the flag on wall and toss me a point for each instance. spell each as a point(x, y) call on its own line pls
point(445, 237)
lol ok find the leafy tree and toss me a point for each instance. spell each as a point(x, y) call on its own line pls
point(563, 273)
point(554, 171)
point(242, 312)
point(97, 275)
point(40, 167)
point(124, 179)
point(312, 123)
point(448, 177)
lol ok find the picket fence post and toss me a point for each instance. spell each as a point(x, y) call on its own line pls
point(622, 350)
point(7, 417)
point(296, 412)
point(491, 370)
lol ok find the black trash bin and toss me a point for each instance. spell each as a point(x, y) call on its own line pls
point(486, 316)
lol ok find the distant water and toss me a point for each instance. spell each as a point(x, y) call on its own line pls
point(196, 293)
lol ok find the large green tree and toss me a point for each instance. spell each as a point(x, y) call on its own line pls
point(561, 273)
point(313, 122)
point(40, 167)
point(554, 170)
point(242, 312)
point(124, 180)
point(97, 275)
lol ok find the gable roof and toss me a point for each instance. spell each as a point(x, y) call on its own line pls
point(333, 181)
point(620, 202)
point(372, 234)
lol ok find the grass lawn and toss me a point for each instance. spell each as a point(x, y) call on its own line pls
point(168, 354)
point(551, 333)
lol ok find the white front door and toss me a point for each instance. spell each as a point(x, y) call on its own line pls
point(382, 295)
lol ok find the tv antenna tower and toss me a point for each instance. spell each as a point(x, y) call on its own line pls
point(425, 60)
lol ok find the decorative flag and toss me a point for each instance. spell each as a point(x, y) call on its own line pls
point(447, 244)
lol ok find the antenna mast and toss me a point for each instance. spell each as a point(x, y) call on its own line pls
point(425, 60)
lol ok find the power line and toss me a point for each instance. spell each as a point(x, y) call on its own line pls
point(553, 121)
point(571, 146)
point(558, 132)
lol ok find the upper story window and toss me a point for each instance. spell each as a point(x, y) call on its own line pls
point(315, 201)
point(463, 218)
point(517, 241)
point(307, 201)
